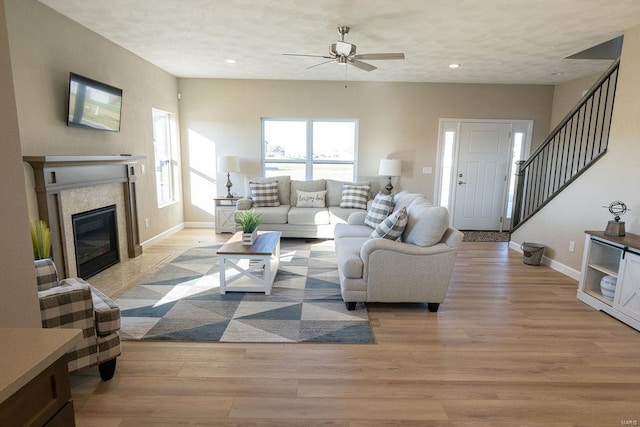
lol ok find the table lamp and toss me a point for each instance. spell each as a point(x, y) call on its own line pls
point(389, 168)
point(228, 164)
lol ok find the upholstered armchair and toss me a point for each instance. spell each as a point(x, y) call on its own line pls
point(75, 304)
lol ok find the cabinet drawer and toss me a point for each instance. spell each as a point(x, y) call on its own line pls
point(40, 399)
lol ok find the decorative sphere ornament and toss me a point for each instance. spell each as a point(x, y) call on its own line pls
point(617, 209)
point(616, 227)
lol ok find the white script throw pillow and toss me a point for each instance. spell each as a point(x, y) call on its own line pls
point(311, 199)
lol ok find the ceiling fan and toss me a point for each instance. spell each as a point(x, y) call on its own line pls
point(343, 52)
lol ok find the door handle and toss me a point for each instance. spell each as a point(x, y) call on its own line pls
point(461, 182)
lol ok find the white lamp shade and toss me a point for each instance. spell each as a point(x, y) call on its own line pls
point(390, 167)
point(227, 164)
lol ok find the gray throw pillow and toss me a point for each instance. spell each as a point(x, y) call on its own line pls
point(426, 224)
point(380, 209)
point(392, 227)
point(355, 196)
point(264, 194)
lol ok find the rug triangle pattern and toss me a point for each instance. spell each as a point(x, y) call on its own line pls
point(181, 301)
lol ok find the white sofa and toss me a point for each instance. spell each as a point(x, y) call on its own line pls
point(415, 268)
point(303, 222)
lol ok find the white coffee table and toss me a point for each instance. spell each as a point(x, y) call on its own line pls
point(255, 266)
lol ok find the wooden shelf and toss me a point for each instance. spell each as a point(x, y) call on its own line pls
point(609, 269)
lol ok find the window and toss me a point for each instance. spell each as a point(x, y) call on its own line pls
point(518, 139)
point(308, 149)
point(165, 156)
point(447, 167)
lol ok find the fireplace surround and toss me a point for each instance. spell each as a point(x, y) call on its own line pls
point(66, 185)
point(95, 238)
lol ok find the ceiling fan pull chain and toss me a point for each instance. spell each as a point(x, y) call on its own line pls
point(345, 76)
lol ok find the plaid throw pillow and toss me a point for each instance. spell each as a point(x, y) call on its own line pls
point(264, 194)
point(381, 207)
point(355, 196)
point(392, 227)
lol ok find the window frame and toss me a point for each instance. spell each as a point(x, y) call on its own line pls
point(309, 161)
point(170, 129)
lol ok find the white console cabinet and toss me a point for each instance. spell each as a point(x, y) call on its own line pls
point(618, 257)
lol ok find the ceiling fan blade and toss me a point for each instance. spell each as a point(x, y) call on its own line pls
point(361, 65)
point(379, 56)
point(312, 56)
point(322, 63)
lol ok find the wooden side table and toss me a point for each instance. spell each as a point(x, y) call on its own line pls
point(224, 212)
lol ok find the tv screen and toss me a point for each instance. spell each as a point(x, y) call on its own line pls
point(93, 104)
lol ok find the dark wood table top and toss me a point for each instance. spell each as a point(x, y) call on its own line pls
point(265, 244)
point(629, 239)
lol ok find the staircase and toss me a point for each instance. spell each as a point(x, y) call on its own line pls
point(575, 144)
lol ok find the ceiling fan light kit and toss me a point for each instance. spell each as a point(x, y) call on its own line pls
point(342, 52)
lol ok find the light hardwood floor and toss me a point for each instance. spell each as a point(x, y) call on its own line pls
point(510, 346)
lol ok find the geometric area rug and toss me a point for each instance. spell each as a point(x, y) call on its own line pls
point(181, 301)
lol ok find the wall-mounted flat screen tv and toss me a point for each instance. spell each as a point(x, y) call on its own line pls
point(93, 104)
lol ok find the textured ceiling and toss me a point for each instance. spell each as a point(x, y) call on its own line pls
point(495, 41)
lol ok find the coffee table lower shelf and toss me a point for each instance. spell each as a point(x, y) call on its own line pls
point(255, 266)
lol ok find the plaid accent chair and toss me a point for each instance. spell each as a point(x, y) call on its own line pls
point(73, 303)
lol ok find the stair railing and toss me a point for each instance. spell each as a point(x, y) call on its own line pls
point(571, 148)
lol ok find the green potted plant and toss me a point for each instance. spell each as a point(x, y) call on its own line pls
point(249, 221)
point(40, 239)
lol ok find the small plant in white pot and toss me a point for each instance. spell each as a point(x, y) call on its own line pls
point(249, 221)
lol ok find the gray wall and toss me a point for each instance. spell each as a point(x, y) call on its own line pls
point(45, 46)
point(397, 119)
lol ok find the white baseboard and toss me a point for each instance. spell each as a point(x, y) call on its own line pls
point(557, 266)
point(162, 236)
point(199, 225)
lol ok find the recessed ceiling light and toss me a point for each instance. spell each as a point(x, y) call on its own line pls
point(230, 61)
point(455, 65)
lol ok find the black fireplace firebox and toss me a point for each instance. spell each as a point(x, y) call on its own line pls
point(95, 235)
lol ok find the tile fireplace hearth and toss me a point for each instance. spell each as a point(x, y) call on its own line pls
point(68, 185)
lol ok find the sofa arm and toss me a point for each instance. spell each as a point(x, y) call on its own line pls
point(372, 245)
point(391, 254)
point(69, 305)
point(357, 218)
point(243, 204)
point(452, 238)
point(106, 312)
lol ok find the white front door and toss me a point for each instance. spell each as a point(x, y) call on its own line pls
point(481, 176)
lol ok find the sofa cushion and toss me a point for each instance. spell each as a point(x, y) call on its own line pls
point(338, 215)
point(308, 186)
point(348, 255)
point(334, 190)
point(403, 199)
point(351, 230)
point(311, 199)
point(264, 194)
point(426, 224)
point(379, 210)
point(274, 215)
point(284, 184)
point(392, 227)
point(308, 216)
point(355, 196)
